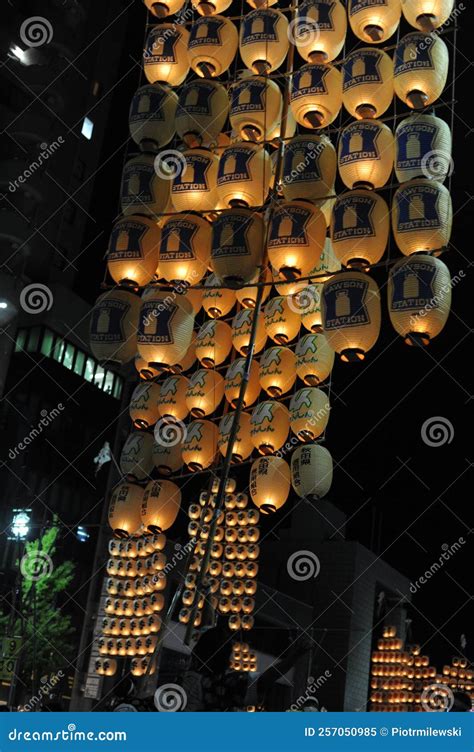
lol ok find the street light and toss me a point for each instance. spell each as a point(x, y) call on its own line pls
point(82, 534)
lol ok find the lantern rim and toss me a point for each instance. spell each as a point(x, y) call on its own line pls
point(426, 21)
point(311, 379)
point(141, 424)
point(366, 111)
point(267, 508)
point(417, 99)
point(164, 470)
point(160, 10)
point(266, 449)
point(359, 263)
point(417, 339)
point(352, 355)
point(374, 32)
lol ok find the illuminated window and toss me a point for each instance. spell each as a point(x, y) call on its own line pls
point(87, 128)
point(33, 340)
point(47, 343)
point(79, 364)
point(20, 340)
point(109, 382)
point(69, 356)
point(90, 368)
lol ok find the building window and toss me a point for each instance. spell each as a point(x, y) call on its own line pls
point(87, 128)
point(69, 356)
point(79, 364)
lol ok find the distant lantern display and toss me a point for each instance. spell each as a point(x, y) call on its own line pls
point(316, 95)
point(282, 322)
point(125, 509)
point(132, 255)
point(185, 248)
point(145, 190)
point(270, 426)
point(152, 116)
point(422, 215)
point(202, 110)
point(256, 109)
point(351, 314)
point(367, 87)
point(243, 447)
point(314, 359)
point(212, 45)
point(320, 30)
point(309, 413)
point(421, 69)
point(269, 483)
point(374, 21)
point(194, 185)
point(165, 58)
point(135, 459)
point(360, 228)
point(296, 238)
point(309, 168)
point(160, 506)
point(419, 298)
point(217, 301)
point(244, 175)
point(423, 148)
point(144, 410)
point(247, 296)
point(365, 154)
point(277, 370)
point(200, 444)
point(172, 402)
point(165, 8)
point(165, 329)
point(311, 471)
point(204, 393)
point(242, 329)
point(113, 327)
point(233, 382)
point(237, 246)
point(208, 8)
point(166, 455)
point(213, 343)
point(263, 40)
point(308, 302)
point(427, 15)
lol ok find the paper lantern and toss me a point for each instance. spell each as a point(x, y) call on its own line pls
point(144, 410)
point(244, 175)
point(367, 87)
point(187, 361)
point(217, 301)
point(207, 8)
point(212, 46)
point(311, 471)
point(282, 323)
point(314, 359)
point(135, 460)
point(296, 238)
point(427, 15)
point(365, 154)
point(308, 302)
point(309, 168)
point(200, 445)
point(374, 21)
point(152, 117)
point(247, 296)
point(422, 215)
point(202, 111)
point(309, 413)
point(242, 329)
point(237, 246)
point(132, 255)
point(165, 328)
point(263, 40)
point(359, 228)
point(243, 447)
point(351, 314)
point(233, 381)
point(270, 426)
point(269, 483)
point(165, 59)
point(256, 109)
point(194, 186)
point(167, 456)
point(144, 190)
point(421, 69)
point(185, 248)
point(163, 9)
point(193, 295)
point(423, 148)
point(125, 509)
point(205, 392)
point(419, 298)
point(171, 402)
point(316, 95)
point(213, 343)
point(160, 506)
point(277, 370)
point(143, 370)
point(113, 327)
point(320, 30)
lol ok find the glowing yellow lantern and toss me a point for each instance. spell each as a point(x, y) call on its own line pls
point(166, 455)
point(427, 15)
point(296, 238)
point(320, 30)
point(233, 382)
point(311, 471)
point(160, 506)
point(270, 426)
point(185, 248)
point(192, 294)
point(422, 216)
point(316, 95)
point(237, 246)
point(212, 45)
point(113, 327)
point(419, 298)
point(144, 371)
point(374, 21)
point(125, 509)
point(244, 175)
point(163, 9)
point(202, 111)
point(309, 168)
point(243, 446)
point(187, 361)
point(205, 392)
point(314, 359)
point(263, 40)
point(421, 69)
point(200, 445)
point(165, 328)
point(132, 255)
point(256, 109)
point(269, 483)
point(165, 59)
point(106, 666)
point(360, 227)
point(217, 301)
point(152, 116)
point(208, 8)
point(144, 410)
point(194, 184)
point(309, 413)
point(135, 460)
point(367, 88)
point(423, 148)
point(282, 323)
point(351, 314)
point(365, 154)
point(171, 402)
point(242, 329)
point(277, 370)
point(145, 190)
point(213, 343)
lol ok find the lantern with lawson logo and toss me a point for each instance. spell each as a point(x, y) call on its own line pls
point(172, 399)
point(233, 382)
point(314, 359)
point(204, 393)
point(282, 323)
point(243, 447)
point(367, 87)
point(365, 154)
point(144, 410)
point(270, 426)
point(166, 453)
point(242, 329)
point(423, 148)
point(213, 343)
point(320, 30)
point(152, 116)
point(237, 246)
point(311, 471)
point(421, 69)
point(132, 255)
point(200, 444)
point(296, 238)
point(194, 185)
point(427, 15)
point(422, 216)
point(309, 168)
point(125, 509)
point(144, 190)
point(160, 505)
point(351, 314)
point(165, 328)
point(212, 45)
point(359, 228)
point(419, 298)
point(185, 248)
point(269, 483)
point(165, 59)
point(309, 306)
point(263, 40)
point(277, 370)
point(256, 110)
point(113, 327)
point(163, 9)
point(217, 301)
point(309, 413)
point(208, 8)
point(135, 459)
point(316, 95)
point(244, 175)
point(203, 107)
point(374, 21)
point(247, 296)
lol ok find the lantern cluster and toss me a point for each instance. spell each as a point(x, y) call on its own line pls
point(243, 658)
